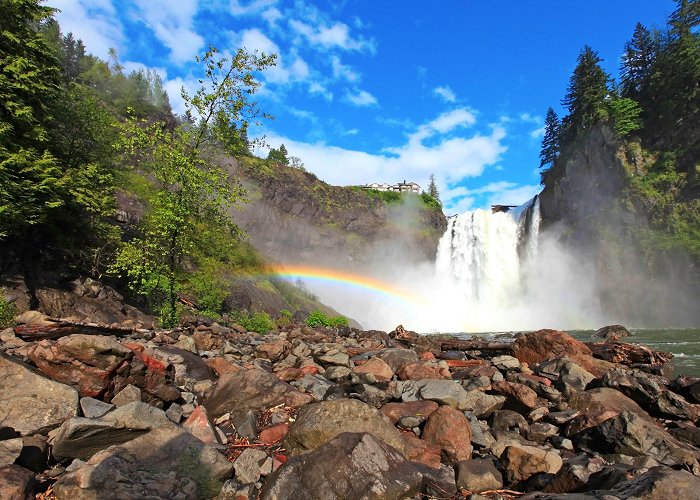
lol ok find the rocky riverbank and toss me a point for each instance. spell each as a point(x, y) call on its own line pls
point(90, 411)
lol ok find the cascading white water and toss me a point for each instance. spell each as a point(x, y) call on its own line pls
point(485, 253)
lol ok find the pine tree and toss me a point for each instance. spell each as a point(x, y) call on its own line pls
point(637, 63)
point(550, 142)
point(432, 188)
point(279, 155)
point(586, 94)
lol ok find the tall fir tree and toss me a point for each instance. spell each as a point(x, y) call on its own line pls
point(637, 63)
point(433, 189)
point(586, 95)
point(550, 142)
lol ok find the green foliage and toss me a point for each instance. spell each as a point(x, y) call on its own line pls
point(586, 95)
point(257, 321)
point(191, 466)
point(625, 113)
point(317, 318)
point(433, 190)
point(8, 311)
point(191, 191)
point(284, 319)
point(388, 197)
point(550, 142)
point(637, 63)
point(430, 201)
point(278, 155)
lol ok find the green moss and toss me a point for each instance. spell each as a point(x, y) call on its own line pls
point(8, 311)
point(190, 466)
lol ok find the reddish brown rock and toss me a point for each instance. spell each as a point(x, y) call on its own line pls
point(522, 462)
point(205, 341)
point(518, 392)
point(155, 377)
point(274, 434)
point(588, 419)
point(419, 371)
point(17, 483)
point(85, 362)
point(376, 367)
point(450, 430)
point(272, 350)
point(426, 356)
point(290, 374)
point(199, 426)
point(396, 411)
point(221, 366)
point(487, 371)
point(466, 363)
point(418, 450)
point(541, 345)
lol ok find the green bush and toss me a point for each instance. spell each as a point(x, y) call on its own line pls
point(258, 321)
point(317, 318)
point(8, 311)
point(284, 319)
point(430, 201)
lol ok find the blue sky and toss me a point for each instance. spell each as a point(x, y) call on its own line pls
point(386, 90)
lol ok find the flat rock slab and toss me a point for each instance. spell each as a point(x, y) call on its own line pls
point(352, 465)
point(83, 437)
point(167, 462)
point(32, 404)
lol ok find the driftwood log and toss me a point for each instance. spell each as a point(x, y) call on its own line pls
point(61, 328)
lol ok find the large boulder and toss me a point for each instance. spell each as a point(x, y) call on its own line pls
point(478, 475)
point(611, 332)
point(659, 483)
point(542, 345)
point(87, 362)
point(521, 462)
point(32, 404)
point(17, 483)
point(316, 424)
point(605, 399)
point(246, 390)
point(444, 392)
point(189, 368)
point(629, 434)
point(352, 465)
point(83, 437)
point(167, 462)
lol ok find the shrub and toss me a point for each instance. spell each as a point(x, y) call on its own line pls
point(317, 318)
point(8, 310)
point(258, 321)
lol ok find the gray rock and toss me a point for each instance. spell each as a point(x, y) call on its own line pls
point(478, 475)
point(541, 431)
point(94, 408)
point(174, 413)
point(446, 392)
point(630, 434)
point(128, 394)
point(334, 357)
point(248, 465)
point(337, 372)
point(573, 378)
point(32, 404)
point(659, 483)
point(562, 417)
point(10, 450)
point(574, 474)
point(481, 436)
point(316, 385)
point(189, 368)
point(186, 343)
point(318, 423)
point(167, 462)
point(137, 415)
point(352, 465)
point(83, 437)
point(505, 362)
point(482, 405)
point(611, 332)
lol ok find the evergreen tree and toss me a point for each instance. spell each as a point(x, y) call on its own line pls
point(637, 63)
point(279, 155)
point(550, 142)
point(586, 95)
point(432, 188)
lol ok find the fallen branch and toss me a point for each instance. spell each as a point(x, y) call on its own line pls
point(61, 328)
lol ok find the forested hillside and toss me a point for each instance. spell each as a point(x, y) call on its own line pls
point(621, 171)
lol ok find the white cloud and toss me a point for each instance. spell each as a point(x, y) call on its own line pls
point(537, 133)
point(361, 98)
point(238, 8)
point(320, 89)
point(451, 159)
point(342, 71)
point(172, 24)
point(446, 93)
point(95, 22)
point(256, 40)
point(130, 66)
point(336, 35)
point(446, 122)
point(272, 16)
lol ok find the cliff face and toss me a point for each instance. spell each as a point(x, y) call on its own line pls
point(295, 218)
point(593, 204)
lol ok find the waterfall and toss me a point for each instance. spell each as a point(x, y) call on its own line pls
point(487, 253)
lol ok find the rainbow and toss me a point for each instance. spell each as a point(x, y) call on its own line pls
point(336, 276)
